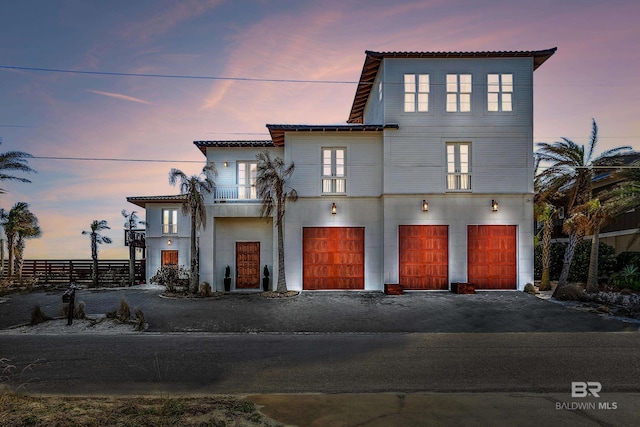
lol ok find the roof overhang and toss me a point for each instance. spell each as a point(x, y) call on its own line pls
point(374, 59)
point(203, 145)
point(143, 200)
point(277, 131)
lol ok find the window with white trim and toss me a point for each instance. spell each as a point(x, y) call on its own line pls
point(169, 221)
point(416, 93)
point(499, 92)
point(334, 171)
point(458, 93)
point(247, 172)
point(458, 166)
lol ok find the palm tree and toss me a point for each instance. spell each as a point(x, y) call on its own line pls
point(570, 171)
point(29, 229)
point(131, 225)
point(19, 224)
point(271, 181)
point(97, 239)
point(14, 161)
point(194, 187)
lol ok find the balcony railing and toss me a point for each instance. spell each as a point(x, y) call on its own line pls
point(235, 193)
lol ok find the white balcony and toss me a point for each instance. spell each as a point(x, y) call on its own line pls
point(235, 194)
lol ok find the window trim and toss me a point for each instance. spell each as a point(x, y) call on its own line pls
point(416, 93)
point(169, 228)
point(458, 93)
point(457, 163)
point(252, 195)
point(333, 178)
point(500, 94)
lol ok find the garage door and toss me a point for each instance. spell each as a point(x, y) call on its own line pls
point(423, 256)
point(333, 258)
point(491, 251)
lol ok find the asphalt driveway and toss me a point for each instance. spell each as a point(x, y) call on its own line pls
point(328, 312)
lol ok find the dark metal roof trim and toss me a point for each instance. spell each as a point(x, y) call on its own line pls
point(143, 200)
point(278, 131)
point(203, 145)
point(373, 60)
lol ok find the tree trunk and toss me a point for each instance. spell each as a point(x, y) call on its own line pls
point(545, 282)
point(1, 257)
point(568, 257)
point(94, 257)
point(592, 279)
point(194, 274)
point(132, 261)
point(10, 247)
point(282, 282)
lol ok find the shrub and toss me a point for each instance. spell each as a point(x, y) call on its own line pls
point(125, 311)
point(171, 277)
point(205, 289)
point(627, 258)
point(38, 316)
point(140, 320)
point(580, 263)
point(557, 254)
point(627, 278)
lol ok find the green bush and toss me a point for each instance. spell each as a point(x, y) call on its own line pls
point(579, 270)
point(628, 277)
point(627, 258)
point(170, 277)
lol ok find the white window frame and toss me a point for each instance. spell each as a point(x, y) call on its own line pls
point(500, 92)
point(458, 161)
point(170, 221)
point(417, 88)
point(246, 174)
point(333, 171)
point(459, 88)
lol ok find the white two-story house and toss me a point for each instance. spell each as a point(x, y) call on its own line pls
point(429, 182)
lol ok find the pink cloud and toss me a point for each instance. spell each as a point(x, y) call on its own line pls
point(120, 96)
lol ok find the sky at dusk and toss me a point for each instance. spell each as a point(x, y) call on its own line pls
point(594, 74)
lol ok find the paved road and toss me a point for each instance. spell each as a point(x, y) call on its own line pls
point(331, 363)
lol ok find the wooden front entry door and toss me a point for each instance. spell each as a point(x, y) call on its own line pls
point(169, 258)
point(247, 265)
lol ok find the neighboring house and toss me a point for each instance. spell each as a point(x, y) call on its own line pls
point(430, 182)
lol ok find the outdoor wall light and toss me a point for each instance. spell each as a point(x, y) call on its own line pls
point(225, 164)
point(494, 205)
point(425, 206)
point(169, 242)
point(334, 209)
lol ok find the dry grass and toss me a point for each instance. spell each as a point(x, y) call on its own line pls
point(20, 410)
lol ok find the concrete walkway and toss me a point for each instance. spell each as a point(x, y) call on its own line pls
point(329, 312)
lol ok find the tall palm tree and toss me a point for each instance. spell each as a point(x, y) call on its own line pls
point(29, 229)
point(194, 187)
point(570, 171)
point(97, 239)
point(14, 161)
point(271, 181)
point(130, 225)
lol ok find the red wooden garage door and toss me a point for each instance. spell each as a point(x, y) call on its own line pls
point(333, 258)
point(424, 255)
point(491, 251)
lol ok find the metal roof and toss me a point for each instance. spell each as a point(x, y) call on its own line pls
point(143, 200)
point(278, 131)
point(203, 145)
point(373, 60)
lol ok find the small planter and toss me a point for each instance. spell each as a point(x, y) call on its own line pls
point(227, 279)
point(265, 278)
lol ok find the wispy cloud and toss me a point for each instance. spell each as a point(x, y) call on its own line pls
point(120, 96)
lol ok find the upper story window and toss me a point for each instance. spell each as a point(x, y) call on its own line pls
point(458, 166)
point(334, 171)
point(416, 93)
point(247, 172)
point(458, 93)
point(500, 92)
point(169, 221)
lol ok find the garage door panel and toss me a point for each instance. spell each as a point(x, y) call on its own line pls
point(491, 256)
point(423, 256)
point(333, 258)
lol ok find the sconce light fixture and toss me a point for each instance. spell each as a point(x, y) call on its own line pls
point(225, 164)
point(169, 242)
point(425, 206)
point(494, 205)
point(334, 209)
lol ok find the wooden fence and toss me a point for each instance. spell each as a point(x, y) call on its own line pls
point(110, 272)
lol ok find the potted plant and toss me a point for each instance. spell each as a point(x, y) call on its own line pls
point(227, 279)
point(265, 278)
